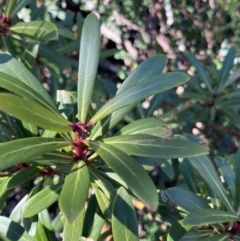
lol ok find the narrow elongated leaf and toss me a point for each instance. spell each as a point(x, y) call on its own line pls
point(41, 200)
point(73, 231)
point(33, 113)
point(218, 237)
point(9, 7)
point(129, 170)
point(226, 67)
point(76, 186)
point(16, 212)
point(196, 235)
point(228, 174)
point(13, 231)
point(22, 176)
point(40, 30)
point(200, 70)
point(65, 32)
point(139, 92)
point(151, 146)
point(124, 220)
point(209, 216)
point(14, 68)
point(177, 231)
point(208, 173)
point(149, 126)
point(187, 199)
point(88, 64)
point(17, 151)
point(146, 70)
point(41, 234)
point(237, 182)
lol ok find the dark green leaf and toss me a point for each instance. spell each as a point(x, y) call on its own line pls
point(124, 220)
point(237, 182)
point(17, 151)
point(187, 199)
point(140, 91)
point(226, 67)
point(208, 173)
point(155, 147)
point(200, 70)
point(41, 200)
point(13, 231)
point(9, 7)
point(177, 231)
point(30, 54)
point(22, 176)
point(209, 216)
point(196, 235)
point(40, 30)
point(19, 6)
point(23, 110)
point(76, 186)
point(88, 64)
point(129, 170)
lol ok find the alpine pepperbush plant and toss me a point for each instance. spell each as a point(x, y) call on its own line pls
point(88, 176)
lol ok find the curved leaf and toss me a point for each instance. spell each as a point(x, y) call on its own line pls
point(13, 231)
point(209, 216)
point(124, 220)
point(129, 170)
point(204, 166)
point(155, 147)
point(187, 199)
point(40, 30)
point(41, 200)
point(30, 54)
point(88, 64)
point(14, 68)
point(74, 192)
point(9, 7)
point(33, 113)
point(139, 92)
point(17, 151)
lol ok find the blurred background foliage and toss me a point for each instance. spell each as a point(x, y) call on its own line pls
point(199, 37)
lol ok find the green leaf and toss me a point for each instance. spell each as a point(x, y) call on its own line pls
point(227, 173)
point(39, 30)
point(146, 70)
point(218, 237)
point(65, 32)
point(149, 126)
point(187, 199)
point(30, 54)
point(76, 186)
point(139, 92)
point(155, 147)
point(13, 231)
point(129, 170)
point(226, 67)
point(33, 113)
point(41, 200)
point(103, 202)
point(200, 70)
point(73, 231)
point(237, 182)
point(177, 231)
point(17, 151)
point(14, 68)
point(19, 6)
point(88, 64)
point(196, 235)
point(203, 165)
point(22, 176)
point(12, 84)
point(40, 233)
point(9, 7)
point(209, 216)
point(16, 212)
point(169, 214)
point(124, 220)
